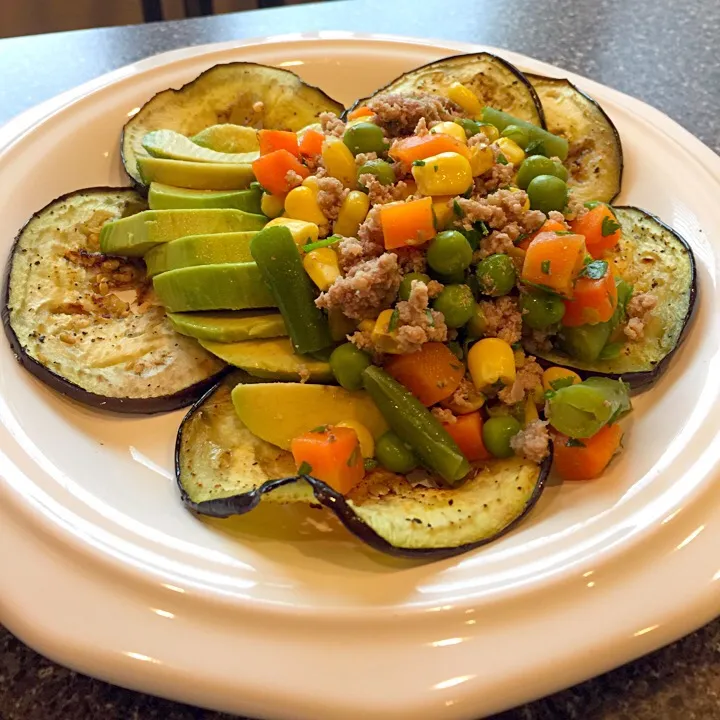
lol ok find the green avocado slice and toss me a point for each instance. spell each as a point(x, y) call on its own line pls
point(231, 326)
point(199, 250)
point(166, 197)
point(195, 175)
point(172, 145)
point(135, 235)
point(228, 138)
point(233, 286)
point(272, 358)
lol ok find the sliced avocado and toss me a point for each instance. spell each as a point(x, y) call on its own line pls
point(236, 286)
point(199, 250)
point(172, 145)
point(229, 327)
point(133, 236)
point(166, 197)
point(279, 412)
point(228, 138)
point(272, 358)
point(195, 175)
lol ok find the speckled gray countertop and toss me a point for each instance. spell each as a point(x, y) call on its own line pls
point(667, 54)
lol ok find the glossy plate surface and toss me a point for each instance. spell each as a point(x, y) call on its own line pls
point(282, 614)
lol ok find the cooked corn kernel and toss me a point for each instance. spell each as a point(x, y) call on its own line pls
point(311, 182)
point(442, 211)
point(383, 338)
point(341, 325)
point(450, 128)
point(490, 132)
point(531, 413)
point(551, 376)
point(339, 161)
point(367, 325)
point(365, 438)
point(465, 98)
point(491, 360)
point(272, 205)
point(353, 210)
point(410, 189)
point(448, 173)
point(322, 267)
point(481, 160)
point(303, 232)
point(301, 204)
point(513, 153)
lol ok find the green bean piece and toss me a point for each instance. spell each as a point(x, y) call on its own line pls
point(496, 275)
point(517, 134)
point(347, 363)
point(365, 137)
point(393, 454)
point(416, 426)
point(406, 283)
point(278, 258)
point(553, 145)
point(497, 432)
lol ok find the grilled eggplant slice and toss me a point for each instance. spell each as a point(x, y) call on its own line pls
point(653, 258)
point(222, 469)
point(495, 82)
point(240, 93)
point(595, 160)
point(89, 325)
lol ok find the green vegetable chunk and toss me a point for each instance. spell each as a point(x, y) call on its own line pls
point(553, 145)
point(278, 259)
point(540, 310)
point(347, 363)
point(416, 426)
point(393, 454)
point(496, 275)
point(581, 410)
point(518, 134)
point(449, 252)
point(497, 432)
point(382, 170)
point(406, 283)
point(547, 192)
point(536, 165)
point(365, 137)
point(471, 127)
point(456, 303)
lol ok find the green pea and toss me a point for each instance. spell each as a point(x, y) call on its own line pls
point(471, 127)
point(536, 165)
point(496, 275)
point(347, 363)
point(547, 192)
point(382, 170)
point(497, 432)
point(406, 283)
point(449, 252)
point(456, 349)
point(475, 327)
point(392, 453)
point(517, 134)
point(540, 310)
point(365, 137)
point(456, 303)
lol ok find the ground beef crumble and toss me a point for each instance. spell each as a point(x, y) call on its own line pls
point(368, 288)
point(331, 194)
point(383, 194)
point(638, 309)
point(502, 318)
point(417, 324)
point(532, 442)
point(466, 399)
point(293, 179)
point(400, 114)
point(331, 124)
point(443, 415)
point(411, 259)
point(528, 377)
point(421, 128)
point(362, 158)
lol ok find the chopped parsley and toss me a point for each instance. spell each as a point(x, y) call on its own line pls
point(502, 159)
point(436, 168)
point(370, 464)
point(459, 212)
point(319, 429)
point(305, 468)
point(418, 163)
point(482, 228)
point(545, 267)
point(394, 319)
point(322, 243)
point(535, 147)
point(468, 193)
point(609, 226)
point(431, 319)
point(594, 270)
point(516, 346)
point(574, 442)
point(562, 382)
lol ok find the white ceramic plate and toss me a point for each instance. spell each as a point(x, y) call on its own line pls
point(103, 570)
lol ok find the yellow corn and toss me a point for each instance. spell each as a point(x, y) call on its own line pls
point(450, 128)
point(442, 211)
point(366, 325)
point(341, 325)
point(410, 189)
point(311, 182)
point(553, 374)
point(491, 360)
point(490, 132)
point(303, 232)
point(513, 153)
point(448, 173)
point(531, 413)
point(465, 98)
point(481, 160)
point(272, 205)
point(301, 204)
point(322, 267)
point(384, 339)
point(339, 161)
point(353, 210)
point(365, 438)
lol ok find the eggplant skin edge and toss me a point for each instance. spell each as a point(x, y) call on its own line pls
point(643, 379)
point(513, 68)
point(140, 406)
point(336, 503)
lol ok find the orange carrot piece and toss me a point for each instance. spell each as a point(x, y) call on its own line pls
point(547, 226)
point(332, 455)
point(271, 170)
point(553, 261)
point(358, 112)
point(593, 301)
point(586, 459)
point(311, 144)
point(466, 431)
point(272, 140)
point(407, 223)
point(432, 373)
point(419, 147)
point(600, 229)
